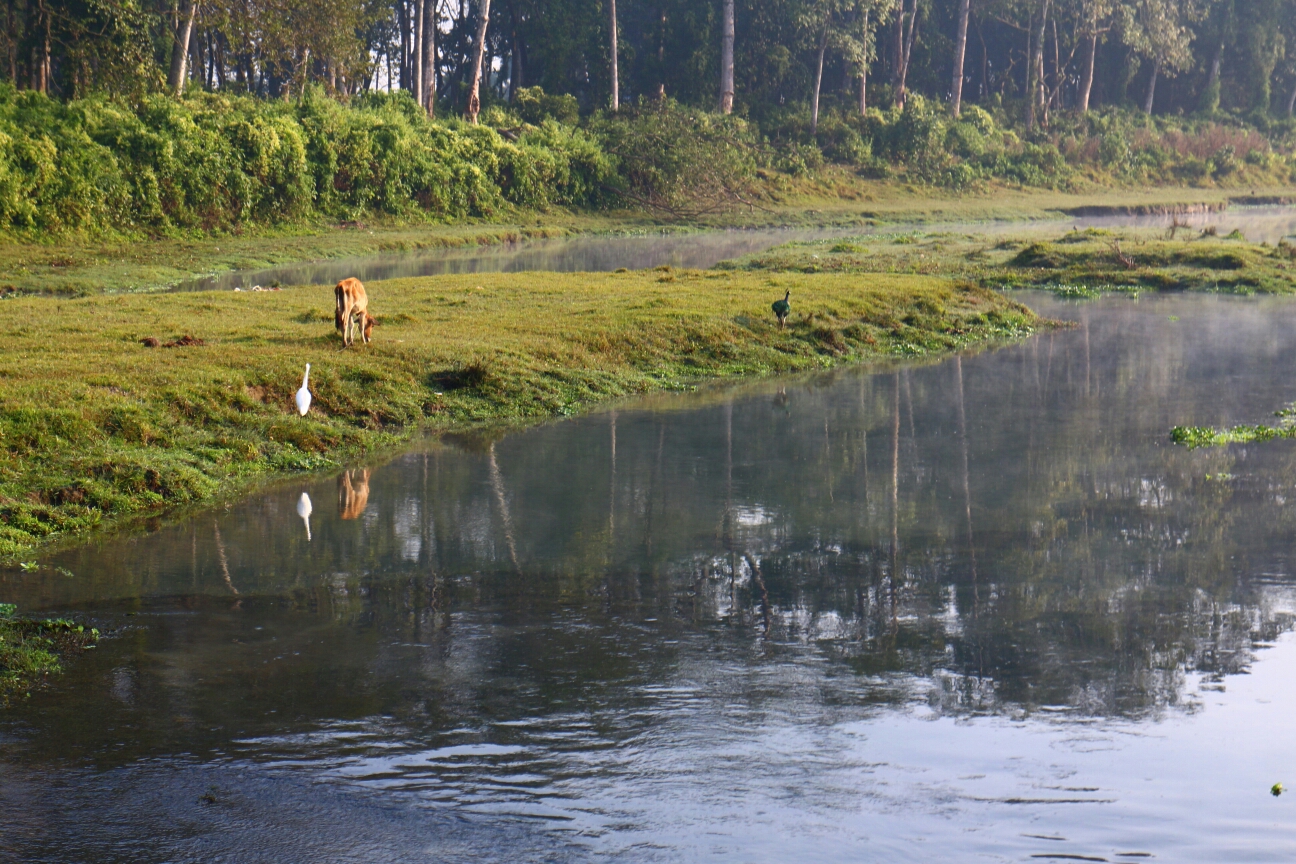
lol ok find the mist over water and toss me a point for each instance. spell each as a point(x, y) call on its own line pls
point(975, 609)
point(699, 250)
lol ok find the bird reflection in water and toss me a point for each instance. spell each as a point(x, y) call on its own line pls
point(304, 511)
point(353, 493)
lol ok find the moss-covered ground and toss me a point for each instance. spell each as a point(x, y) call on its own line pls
point(95, 425)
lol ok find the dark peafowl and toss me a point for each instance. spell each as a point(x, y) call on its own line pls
point(782, 308)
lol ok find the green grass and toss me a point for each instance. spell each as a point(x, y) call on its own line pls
point(31, 650)
point(95, 426)
point(1077, 264)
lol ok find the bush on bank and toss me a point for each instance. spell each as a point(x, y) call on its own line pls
point(211, 161)
point(216, 162)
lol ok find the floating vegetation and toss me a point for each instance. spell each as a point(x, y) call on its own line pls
point(1193, 437)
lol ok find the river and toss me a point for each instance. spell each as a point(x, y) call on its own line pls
point(699, 249)
point(976, 609)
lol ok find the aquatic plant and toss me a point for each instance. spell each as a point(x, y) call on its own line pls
point(31, 649)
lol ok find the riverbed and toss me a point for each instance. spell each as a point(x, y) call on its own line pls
point(976, 609)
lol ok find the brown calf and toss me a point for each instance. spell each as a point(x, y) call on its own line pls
point(352, 310)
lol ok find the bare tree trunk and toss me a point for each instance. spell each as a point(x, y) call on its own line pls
point(863, 94)
point(42, 71)
point(960, 53)
point(416, 59)
point(430, 56)
point(814, 103)
point(479, 54)
point(1211, 95)
point(1036, 77)
point(1086, 80)
point(612, 43)
point(897, 51)
point(404, 23)
point(1151, 93)
point(1291, 103)
point(727, 58)
point(907, 54)
point(180, 50)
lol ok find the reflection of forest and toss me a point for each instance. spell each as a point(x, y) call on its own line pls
point(1011, 528)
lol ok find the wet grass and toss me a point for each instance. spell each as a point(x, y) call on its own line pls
point(32, 650)
point(95, 425)
point(1077, 264)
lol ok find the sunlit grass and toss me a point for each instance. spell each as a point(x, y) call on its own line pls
point(95, 425)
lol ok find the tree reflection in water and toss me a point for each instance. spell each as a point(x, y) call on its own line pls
point(1039, 543)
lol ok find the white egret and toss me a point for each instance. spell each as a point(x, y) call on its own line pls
point(304, 395)
point(304, 509)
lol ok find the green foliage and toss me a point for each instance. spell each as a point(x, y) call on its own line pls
point(216, 162)
point(535, 106)
point(680, 161)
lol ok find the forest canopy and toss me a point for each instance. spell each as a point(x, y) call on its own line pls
point(209, 114)
point(1167, 56)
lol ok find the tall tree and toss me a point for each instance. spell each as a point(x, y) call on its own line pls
point(180, 47)
point(479, 58)
point(960, 52)
point(727, 58)
point(1035, 75)
point(612, 47)
point(1159, 30)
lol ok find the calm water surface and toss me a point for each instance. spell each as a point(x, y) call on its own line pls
point(700, 250)
point(975, 610)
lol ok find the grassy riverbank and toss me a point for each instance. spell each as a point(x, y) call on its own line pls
point(95, 425)
point(1077, 263)
point(75, 265)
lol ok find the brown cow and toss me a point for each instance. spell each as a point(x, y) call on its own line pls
point(352, 310)
point(352, 499)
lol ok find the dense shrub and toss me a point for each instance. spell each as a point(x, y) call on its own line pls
point(213, 161)
point(680, 161)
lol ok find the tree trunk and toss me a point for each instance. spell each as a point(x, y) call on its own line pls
point(416, 56)
point(863, 81)
point(612, 42)
point(1086, 81)
point(897, 51)
point(1211, 95)
point(180, 49)
point(45, 52)
point(727, 58)
point(1035, 88)
point(1291, 104)
point(907, 54)
point(403, 12)
point(479, 54)
point(430, 56)
point(960, 53)
point(1151, 93)
point(814, 103)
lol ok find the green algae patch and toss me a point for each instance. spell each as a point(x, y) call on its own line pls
point(100, 420)
point(32, 650)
